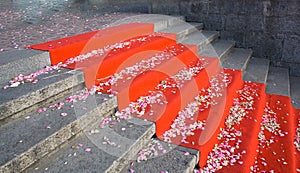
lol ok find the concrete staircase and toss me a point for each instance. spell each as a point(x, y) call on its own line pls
point(44, 130)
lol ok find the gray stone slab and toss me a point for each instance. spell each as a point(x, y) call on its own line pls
point(295, 91)
point(201, 38)
point(160, 21)
point(13, 100)
point(278, 81)
point(218, 48)
point(257, 70)
point(129, 137)
point(183, 29)
point(15, 62)
point(175, 160)
point(26, 140)
point(237, 59)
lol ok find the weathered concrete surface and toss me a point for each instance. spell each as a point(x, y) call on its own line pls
point(200, 38)
point(270, 28)
point(183, 29)
point(160, 22)
point(15, 62)
point(177, 159)
point(129, 137)
point(257, 70)
point(28, 139)
point(218, 48)
point(278, 81)
point(25, 23)
point(295, 91)
point(13, 100)
point(237, 59)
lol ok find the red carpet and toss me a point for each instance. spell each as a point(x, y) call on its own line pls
point(234, 124)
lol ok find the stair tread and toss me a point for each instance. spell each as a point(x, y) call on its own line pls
point(278, 81)
point(176, 159)
point(237, 59)
point(36, 137)
point(16, 99)
point(15, 62)
point(129, 136)
point(257, 70)
point(218, 48)
point(295, 91)
point(200, 38)
point(160, 21)
point(183, 29)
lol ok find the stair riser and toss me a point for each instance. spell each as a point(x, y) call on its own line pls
point(163, 24)
point(219, 48)
point(129, 156)
point(41, 104)
point(24, 66)
point(237, 59)
point(182, 35)
point(19, 104)
point(49, 144)
point(209, 40)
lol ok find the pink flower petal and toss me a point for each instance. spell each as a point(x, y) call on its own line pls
point(63, 114)
point(88, 150)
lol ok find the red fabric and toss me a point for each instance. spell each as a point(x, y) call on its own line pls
point(284, 146)
point(100, 67)
point(65, 48)
point(205, 140)
point(250, 127)
point(164, 114)
point(297, 125)
point(103, 66)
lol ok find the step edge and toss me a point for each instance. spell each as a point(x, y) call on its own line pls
point(43, 58)
point(249, 55)
point(283, 70)
point(77, 76)
point(229, 47)
point(31, 154)
point(265, 61)
point(130, 154)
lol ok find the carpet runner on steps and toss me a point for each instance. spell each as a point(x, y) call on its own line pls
point(65, 48)
point(237, 141)
point(297, 137)
point(193, 102)
point(276, 137)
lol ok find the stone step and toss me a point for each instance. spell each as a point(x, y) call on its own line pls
point(175, 159)
point(295, 91)
point(165, 21)
point(219, 49)
point(201, 38)
point(257, 70)
point(13, 101)
point(237, 59)
point(15, 62)
point(278, 81)
point(160, 21)
point(28, 139)
point(183, 29)
point(128, 136)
